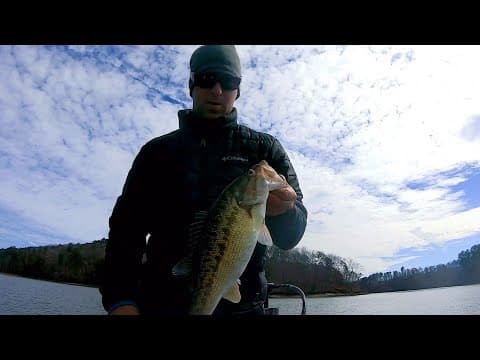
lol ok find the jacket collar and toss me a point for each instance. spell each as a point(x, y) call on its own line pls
point(189, 121)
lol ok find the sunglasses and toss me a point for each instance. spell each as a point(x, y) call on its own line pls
point(208, 80)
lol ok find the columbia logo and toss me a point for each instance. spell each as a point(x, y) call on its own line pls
point(234, 158)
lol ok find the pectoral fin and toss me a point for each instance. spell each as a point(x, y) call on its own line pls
point(233, 294)
point(264, 236)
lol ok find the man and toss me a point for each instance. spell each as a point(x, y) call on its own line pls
point(175, 176)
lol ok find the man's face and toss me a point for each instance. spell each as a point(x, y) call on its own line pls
point(212, 101)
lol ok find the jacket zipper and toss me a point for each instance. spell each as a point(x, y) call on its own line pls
point(203, 166)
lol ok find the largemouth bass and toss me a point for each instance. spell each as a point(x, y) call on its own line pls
point(223, 240)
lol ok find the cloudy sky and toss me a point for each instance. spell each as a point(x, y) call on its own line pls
point(385, 140)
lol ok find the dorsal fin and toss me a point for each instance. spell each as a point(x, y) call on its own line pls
point(183, 268)
point(195, 230)
point(200, 215)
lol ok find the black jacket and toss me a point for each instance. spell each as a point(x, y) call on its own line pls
point(172, 177)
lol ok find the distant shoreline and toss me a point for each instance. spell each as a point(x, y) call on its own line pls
point(312, 296)
point(271, 296)
point(334, 295)
point(49, 280)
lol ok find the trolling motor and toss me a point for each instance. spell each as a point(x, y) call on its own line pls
point(271, 286)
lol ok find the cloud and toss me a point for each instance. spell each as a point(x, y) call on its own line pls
point(471, 130)
point(382, 137)
point(72, 130)
point(362, 124)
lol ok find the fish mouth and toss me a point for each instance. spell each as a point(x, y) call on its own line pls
point(275, 185)
point(250, 203)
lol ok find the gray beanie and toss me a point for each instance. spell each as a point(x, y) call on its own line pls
point(215, 58)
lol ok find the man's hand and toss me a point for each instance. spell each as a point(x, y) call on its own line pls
point(125, 310)
point(281, 200)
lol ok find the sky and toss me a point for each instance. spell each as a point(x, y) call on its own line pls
point(385, 140)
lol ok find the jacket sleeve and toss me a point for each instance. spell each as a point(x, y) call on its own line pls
point(286, 229)
point(127, 237)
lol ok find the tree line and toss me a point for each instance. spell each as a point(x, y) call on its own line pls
point(313, 271)
point(465, 270)
point(74, 263)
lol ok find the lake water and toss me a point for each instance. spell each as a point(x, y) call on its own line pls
point(455, 300)
point(23, 296)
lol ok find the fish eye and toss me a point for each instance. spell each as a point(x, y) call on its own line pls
point(251, 172)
